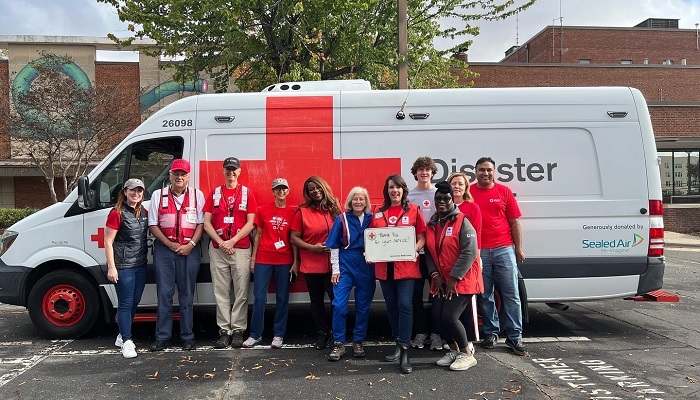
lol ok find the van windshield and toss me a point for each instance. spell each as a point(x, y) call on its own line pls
point(147, 160)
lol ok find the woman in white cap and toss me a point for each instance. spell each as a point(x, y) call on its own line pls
point(273, 259)
point(125, 247)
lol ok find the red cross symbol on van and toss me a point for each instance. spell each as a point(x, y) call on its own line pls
point(299, 143)
point(99, 237)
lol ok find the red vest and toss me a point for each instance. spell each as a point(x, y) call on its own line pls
point(221, 213)
point(178, 225)
point(443, 245)
point(402, 269)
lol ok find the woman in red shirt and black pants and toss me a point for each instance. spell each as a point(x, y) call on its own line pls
point(310, 227)
point(397, 278)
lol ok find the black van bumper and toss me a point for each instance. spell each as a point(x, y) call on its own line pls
point(12, 282)
point(653, 278)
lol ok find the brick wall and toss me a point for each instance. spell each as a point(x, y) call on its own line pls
point(676, 121)
point(33, 192)
point(682, 220)
point(4, 109)
point(609, 46)
point(121, 79)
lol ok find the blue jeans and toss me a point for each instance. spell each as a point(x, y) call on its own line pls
point(361, 277)
point(172, 271)
point(129, 290)
point(398, 296)
point(501, 272)
point(261, 281)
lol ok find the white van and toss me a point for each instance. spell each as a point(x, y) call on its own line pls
point(581, 161)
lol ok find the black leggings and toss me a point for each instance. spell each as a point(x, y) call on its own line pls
point(451, 327)
point(318, 285)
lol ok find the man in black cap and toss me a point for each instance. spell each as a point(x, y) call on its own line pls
point(229, 217)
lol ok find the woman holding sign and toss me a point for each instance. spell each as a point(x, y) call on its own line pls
point(397, 278)
point(452, 260)
point(310, 227)
point(347, 244)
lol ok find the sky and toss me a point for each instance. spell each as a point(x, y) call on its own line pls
point(89, 18)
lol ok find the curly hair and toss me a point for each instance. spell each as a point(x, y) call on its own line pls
point(328, 202)
point(423, 162)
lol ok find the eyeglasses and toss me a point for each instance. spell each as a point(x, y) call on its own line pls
point(280, 188)
point(179, 174)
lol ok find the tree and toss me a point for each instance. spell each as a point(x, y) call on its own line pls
point(259, 42)
point(61, 122)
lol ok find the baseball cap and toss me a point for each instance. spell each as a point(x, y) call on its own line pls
point(279, 182)
point(232, 163)
point(180, 164)
point(133, 183)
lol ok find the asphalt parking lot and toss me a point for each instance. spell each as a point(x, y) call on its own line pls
point(613, 349)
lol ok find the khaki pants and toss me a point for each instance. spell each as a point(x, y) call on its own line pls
point(226, 270)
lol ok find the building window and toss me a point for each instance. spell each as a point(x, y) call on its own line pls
point(667, 61)
point(680, 172)
point(625, 61)
point(584, 60)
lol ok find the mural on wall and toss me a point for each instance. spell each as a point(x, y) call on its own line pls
point(165, 89)
point(24, 78)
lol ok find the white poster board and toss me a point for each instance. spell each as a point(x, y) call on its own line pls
point(390, 244)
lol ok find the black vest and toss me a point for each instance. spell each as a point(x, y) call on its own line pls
point(130, 244)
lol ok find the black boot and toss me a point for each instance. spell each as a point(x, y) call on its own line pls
point(395, 355)
point(405, 363)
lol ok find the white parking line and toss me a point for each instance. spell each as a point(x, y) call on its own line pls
point(27, 363)
point(177, 349)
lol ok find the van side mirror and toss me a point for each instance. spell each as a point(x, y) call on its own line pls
point(86, 198)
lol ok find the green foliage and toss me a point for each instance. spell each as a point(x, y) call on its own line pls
point(259, 42)
point(9, 216)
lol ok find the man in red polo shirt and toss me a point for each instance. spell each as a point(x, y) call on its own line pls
point(501, 251)
point(229, 216)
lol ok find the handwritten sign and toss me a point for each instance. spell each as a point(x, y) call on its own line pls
point(390, 244)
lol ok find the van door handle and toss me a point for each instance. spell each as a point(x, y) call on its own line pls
point(224, 119)
point(419, 115)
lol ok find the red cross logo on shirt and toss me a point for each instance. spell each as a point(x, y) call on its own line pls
point(299, 143)
point(99, 237)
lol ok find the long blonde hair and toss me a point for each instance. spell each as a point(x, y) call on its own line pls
point(467, 196)
point(121, 200)
point(353, 192)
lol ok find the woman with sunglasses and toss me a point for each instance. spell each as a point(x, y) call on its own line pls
point(397, 278)
point(310, 228)
point(125, 248)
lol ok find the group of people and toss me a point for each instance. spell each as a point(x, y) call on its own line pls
point(468, 243)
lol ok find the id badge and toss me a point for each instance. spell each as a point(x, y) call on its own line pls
point(228, 220)
point(279, 244)
point(191, 217)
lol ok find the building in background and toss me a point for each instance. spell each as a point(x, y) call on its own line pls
point(142, 78)
point(655, 57)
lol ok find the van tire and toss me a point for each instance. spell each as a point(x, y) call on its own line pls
point(63, 304)
point(522, 291)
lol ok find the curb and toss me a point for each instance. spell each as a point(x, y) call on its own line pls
point(678, 245)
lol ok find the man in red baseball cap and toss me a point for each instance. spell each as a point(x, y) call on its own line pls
point(175, 219)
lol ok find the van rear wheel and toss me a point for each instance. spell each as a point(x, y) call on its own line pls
point(63, 304)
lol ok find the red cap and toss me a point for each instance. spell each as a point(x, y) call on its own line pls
point(180, 165)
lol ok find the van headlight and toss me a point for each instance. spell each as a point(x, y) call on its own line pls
point(6, 240)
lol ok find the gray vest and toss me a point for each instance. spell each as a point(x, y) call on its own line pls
point(130, 244)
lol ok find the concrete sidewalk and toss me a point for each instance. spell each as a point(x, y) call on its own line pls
point(680, 240)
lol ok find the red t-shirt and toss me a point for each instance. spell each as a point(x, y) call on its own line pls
point(473, 214)
point(497, 206)
point(313, 227)
point(114, 219)
point(232, 198)
point(393, 214)
point(273, 223)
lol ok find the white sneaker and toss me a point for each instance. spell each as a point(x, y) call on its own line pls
point(447, 359)
point(277, 342)
point(463, 362)
point(435, 342)
point(119, 342)
point(250, 342)
point(129, 349)
point(419, 341)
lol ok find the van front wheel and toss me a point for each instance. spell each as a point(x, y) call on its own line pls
point(63, 304)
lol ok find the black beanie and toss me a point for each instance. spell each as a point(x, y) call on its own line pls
point(443, 187)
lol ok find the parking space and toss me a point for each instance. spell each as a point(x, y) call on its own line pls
point(598, 350)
